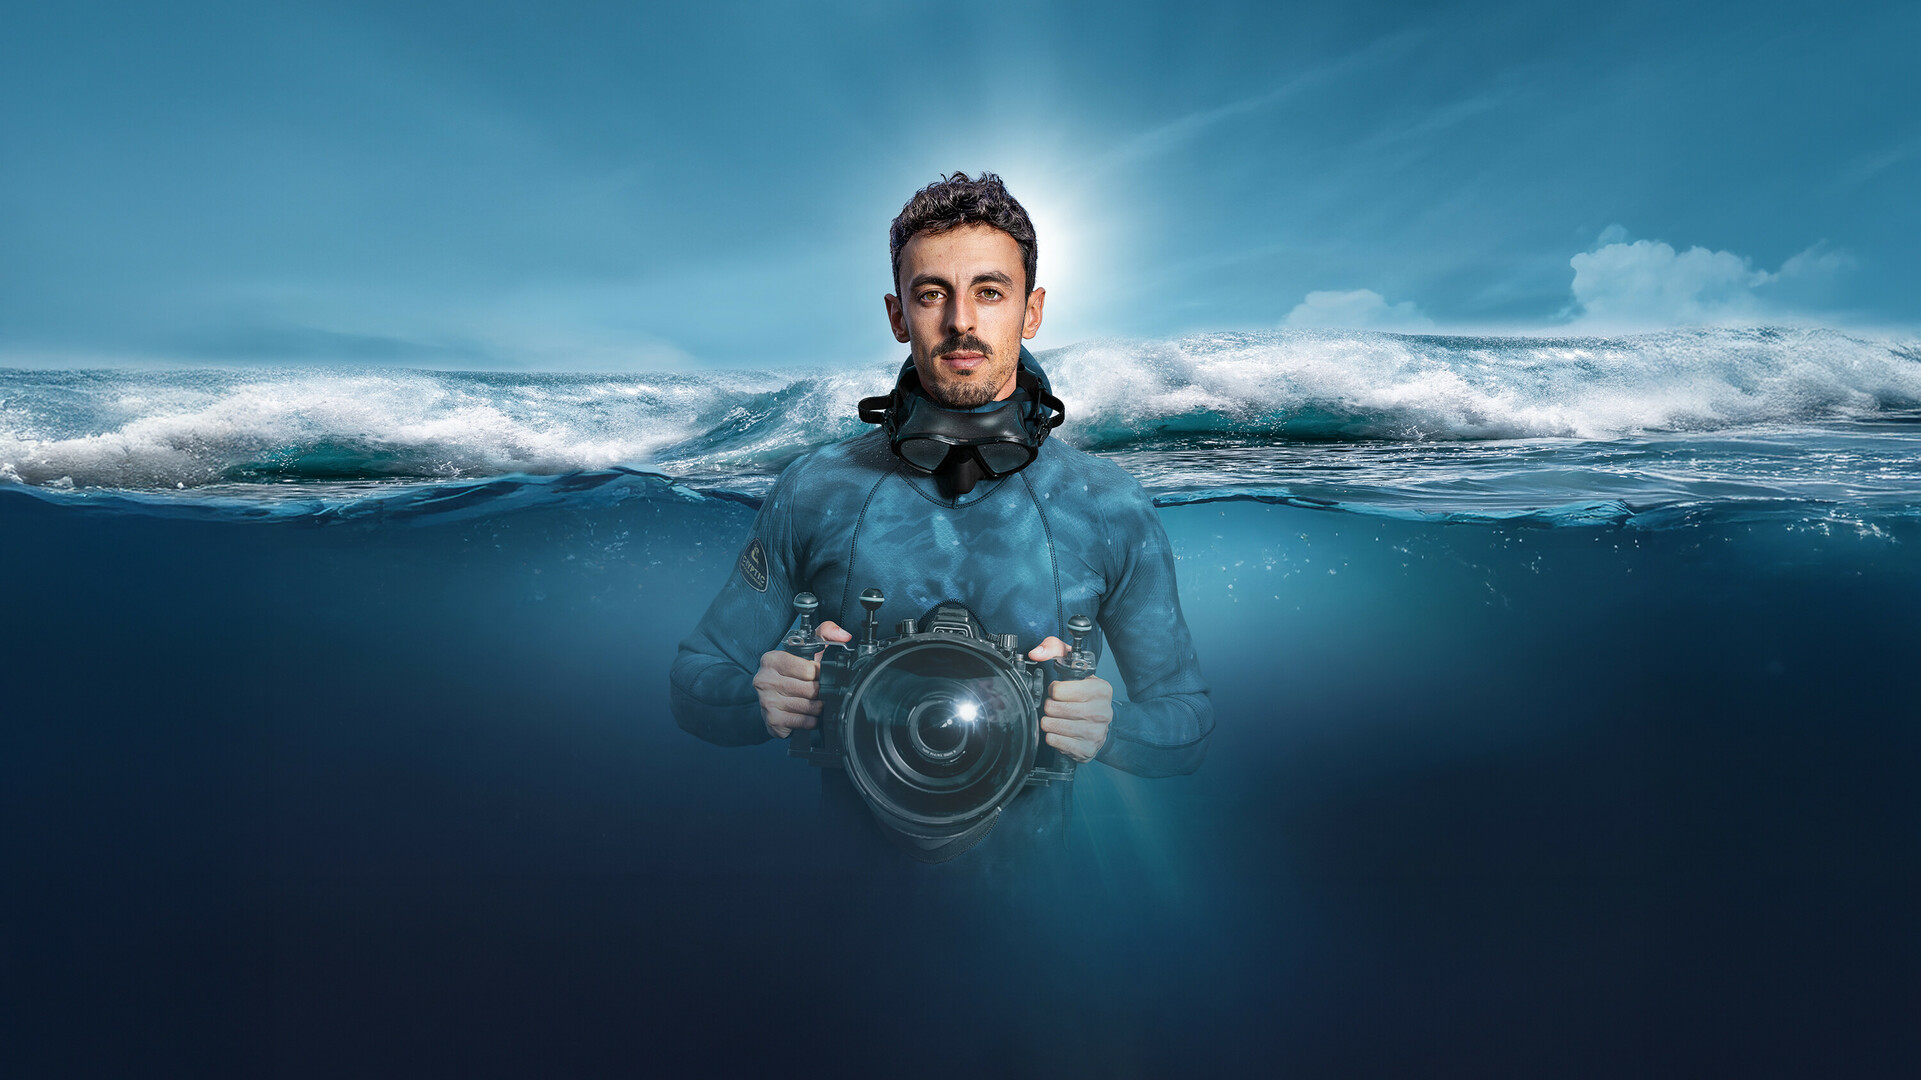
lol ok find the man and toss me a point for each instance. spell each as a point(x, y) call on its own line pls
point(1022, 543)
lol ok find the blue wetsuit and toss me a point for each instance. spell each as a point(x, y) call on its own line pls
point(1070, 534)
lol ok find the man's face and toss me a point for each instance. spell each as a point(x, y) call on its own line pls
point(962, 312)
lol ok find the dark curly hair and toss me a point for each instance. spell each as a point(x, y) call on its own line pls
point(956, 200)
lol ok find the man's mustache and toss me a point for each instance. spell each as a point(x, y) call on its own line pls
point(958, 342)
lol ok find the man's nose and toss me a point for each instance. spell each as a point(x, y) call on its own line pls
point(960, 315)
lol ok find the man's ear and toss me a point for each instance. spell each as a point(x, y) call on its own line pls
point(897, 317)
point(1031, 325)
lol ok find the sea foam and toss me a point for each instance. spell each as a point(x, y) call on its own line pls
point(1350, 385)
point(150, 430)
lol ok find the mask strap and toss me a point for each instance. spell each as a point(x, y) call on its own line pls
point(1043, 400)
point(886, 409)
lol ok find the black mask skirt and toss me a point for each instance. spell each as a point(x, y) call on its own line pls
point(961, 447)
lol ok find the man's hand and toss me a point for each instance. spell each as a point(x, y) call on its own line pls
point(1077, 711)
point(789, 687)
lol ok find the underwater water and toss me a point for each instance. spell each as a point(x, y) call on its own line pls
point(1563, 687)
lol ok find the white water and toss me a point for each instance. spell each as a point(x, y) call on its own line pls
point(149, 430)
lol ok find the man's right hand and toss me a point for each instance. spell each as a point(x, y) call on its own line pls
point(789, 687)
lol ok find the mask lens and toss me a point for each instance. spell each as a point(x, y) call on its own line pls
point(1003, 458)
point(923, 454)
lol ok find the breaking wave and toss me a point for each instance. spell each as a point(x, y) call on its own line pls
point(1351, 385)
point(157, 430)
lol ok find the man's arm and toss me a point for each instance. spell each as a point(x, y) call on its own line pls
point(1163, 729)
point(712, 680)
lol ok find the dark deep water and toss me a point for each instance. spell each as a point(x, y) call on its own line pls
point(395, 792)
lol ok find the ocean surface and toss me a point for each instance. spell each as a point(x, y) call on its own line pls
point(1566, 726)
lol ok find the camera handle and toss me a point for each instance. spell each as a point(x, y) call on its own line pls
point(1079, 663)
point(805, 642)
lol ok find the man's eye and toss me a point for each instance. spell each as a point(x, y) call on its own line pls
point(990, 294)
point(930, 294)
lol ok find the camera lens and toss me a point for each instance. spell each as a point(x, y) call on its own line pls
point(938, 734)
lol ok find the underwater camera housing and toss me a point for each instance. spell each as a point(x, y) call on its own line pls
point(937, 727)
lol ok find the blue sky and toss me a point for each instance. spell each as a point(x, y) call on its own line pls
point(621, 186)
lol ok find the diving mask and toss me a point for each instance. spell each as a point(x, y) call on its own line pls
point(961, 445)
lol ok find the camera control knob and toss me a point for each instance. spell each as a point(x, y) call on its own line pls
point(907, 628)
point(870, 601)
point(1079, 663)
point(803, 640)
point(1009, 643)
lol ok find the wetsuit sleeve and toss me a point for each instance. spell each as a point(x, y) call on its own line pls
point(712, 680)
point(1163, 729)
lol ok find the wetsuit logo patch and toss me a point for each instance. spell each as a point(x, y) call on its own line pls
point(753, 565)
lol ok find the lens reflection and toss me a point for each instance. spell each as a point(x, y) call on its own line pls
point(937, 729)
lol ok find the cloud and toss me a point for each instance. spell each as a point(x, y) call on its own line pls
point(1357, 309)
point(1647, 283)
point(1818, 263)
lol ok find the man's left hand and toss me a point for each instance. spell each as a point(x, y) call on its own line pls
point(1077, 711)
